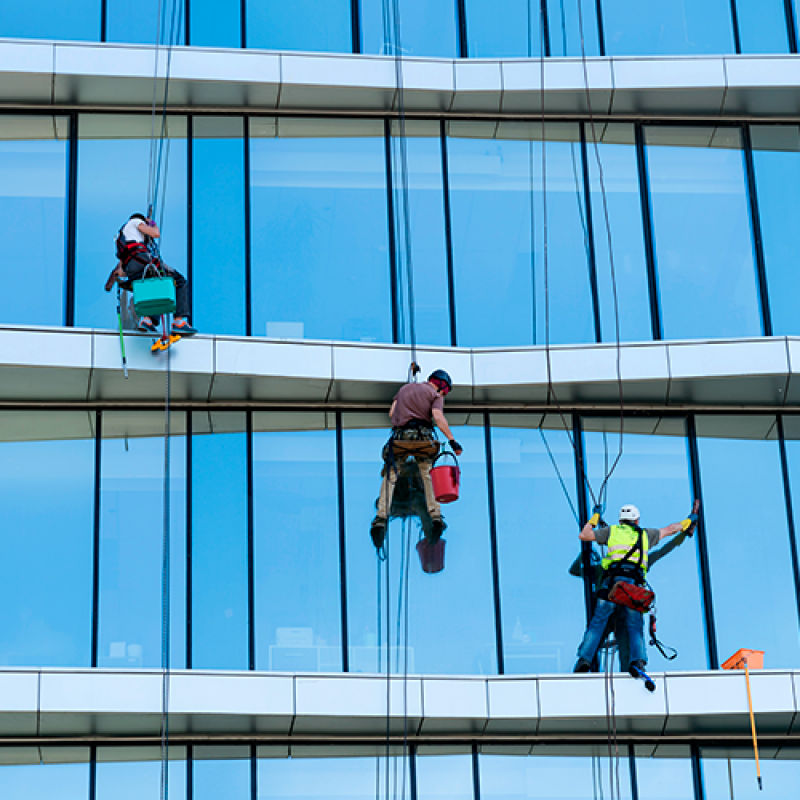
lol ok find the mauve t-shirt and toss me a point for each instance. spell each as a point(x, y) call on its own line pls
point(416, 401)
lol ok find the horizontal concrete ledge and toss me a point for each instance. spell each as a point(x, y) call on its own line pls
point(70, 365)
point(53, 704)
point(86, 74)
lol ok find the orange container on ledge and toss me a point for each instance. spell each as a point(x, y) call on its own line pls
point(754, 659)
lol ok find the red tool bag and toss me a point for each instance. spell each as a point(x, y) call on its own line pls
point(629, 594)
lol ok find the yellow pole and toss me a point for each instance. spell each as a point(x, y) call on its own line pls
point(752, 722)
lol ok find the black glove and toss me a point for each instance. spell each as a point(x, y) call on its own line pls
point(457, 448)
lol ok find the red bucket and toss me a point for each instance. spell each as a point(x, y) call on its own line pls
point(446, 479)
point(431, 556)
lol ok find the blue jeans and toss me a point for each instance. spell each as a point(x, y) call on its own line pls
point(634, 621)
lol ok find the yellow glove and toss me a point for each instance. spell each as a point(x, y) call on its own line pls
point(594, 519)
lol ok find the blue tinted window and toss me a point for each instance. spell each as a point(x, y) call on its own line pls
point(447, 776)
point(680, 27)
point(530, 502)
point(53, 19)
point(317, 25)
point(320, 242)
point(215, 23)
point(459, 637)
point(220, 772)
point(218, 259)
point(731, 773)
point(571, 21)
point(33, 188)
point(37, 781)
point(298, 610)
point(107, 143)
point(615, 155)
point(426, 219)
point(219, 542)
point(762, 26)
point(148, 22)
point(498, 235)
point(47, 480)
point(653, 475)
point(131, 534)
point(738, 460)
point(506, 29)
point(776, 157)
point(702, 232)
point(427, 28)
point(665, 778)
point(141, 776)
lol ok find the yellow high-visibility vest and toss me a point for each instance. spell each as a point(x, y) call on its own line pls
point(621, 539)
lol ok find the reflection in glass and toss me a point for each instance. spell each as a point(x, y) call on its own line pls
point(33, 188)
point(298, 610)
point(218, 258)
point(653, 475)
point(498, 234)
point(106, 143)
point(320, 241)
point(215, 23)
point(549, 773)
point(311, 25)
point(140, 777)
point(44, 782)
point(444, 776)
point(615, 154)
point(776, 158)
point(220, 772)
point(739, 458)
point(131, 533)
point(531, 508)
point(427, 28)
point(762, 26)
point(730, 774)
point(702, 232)
point(680, 27)
point(47, 501)
point(426, 220)
point(53, 19)
point(152, 22)
point(459, 637)
point(219, 542)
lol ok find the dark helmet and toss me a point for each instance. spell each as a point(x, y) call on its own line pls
point(440, 379)
point(142, 217)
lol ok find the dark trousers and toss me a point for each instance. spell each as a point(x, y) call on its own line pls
point(135, 268)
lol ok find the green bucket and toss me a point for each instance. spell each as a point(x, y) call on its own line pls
point(154, 296)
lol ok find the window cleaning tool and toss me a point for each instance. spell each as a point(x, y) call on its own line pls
point(740, 660)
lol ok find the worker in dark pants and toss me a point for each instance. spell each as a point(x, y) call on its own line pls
point(134, 260)
point(415, 410)
point(626, 562)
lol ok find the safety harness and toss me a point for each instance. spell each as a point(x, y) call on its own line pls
point(129, 250)
point(633, 595)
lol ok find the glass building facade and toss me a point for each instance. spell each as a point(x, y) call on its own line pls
point(518, 231)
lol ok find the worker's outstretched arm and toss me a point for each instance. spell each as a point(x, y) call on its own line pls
point(391, 410)
point(149, 230)
point(587, 534)
point(441, 423)
point(670, 530)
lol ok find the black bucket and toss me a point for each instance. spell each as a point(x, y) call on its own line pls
point(431, 556)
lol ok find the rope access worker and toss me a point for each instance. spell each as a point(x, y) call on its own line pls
point(135, 257)
point(415, 410)
point(626, 562)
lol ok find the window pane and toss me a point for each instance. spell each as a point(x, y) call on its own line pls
point(215, 23)
point(54, 19)
point(702, 232)
point(298, 607)
point(762, 26)
point(317, 25)
point(732, 774)
point(444, 776)
point(459, 637)
point(218, 259)
point(139, 776)
point(676, 28)
point(49, 509)
point(107, 143)
point(653, 475)
point(551, 774)
point(131, 534)
point(219, 542)
point(503, 29)
point(427, 28)
point(616, 156)
point(221, 772)
point(426, 220)
point(153, 22)
point(497, 209)
point(33, 190)
point(664, 778)
point(776, 157)
point(530, 502)
point(570, 21)
point(320, 243)
point(37, 781)
point(739, 458)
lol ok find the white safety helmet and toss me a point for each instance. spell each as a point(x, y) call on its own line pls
point(629, 514)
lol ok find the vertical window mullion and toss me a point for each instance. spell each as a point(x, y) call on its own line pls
point(412, 768)
point(248, 244)
point(791, 31)
point(787, 491)
point(72, 222)
point(93, 773)
point(187, 30)
point(498, 617)
point(189, 204)
point(545, 34)
point(583, 513)
point(253, 772)
point(189, 489)
point(737, 40)
point(448, 235)
point(243, 12)
point(755, 223)
point(355, 24)
point(103, 20)
point(342, 549)
point(591, 252)
point(387, 134)
point(189, 772)
point(461, 14)
point(702, 544)
point(476, 773)
point(251, 604)
point(632, 765)
point(697, 773)
point(98, 451)
point(601, 34)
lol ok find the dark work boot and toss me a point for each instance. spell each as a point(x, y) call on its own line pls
point(582, 665)
point(378, 532)
point(438, 527)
